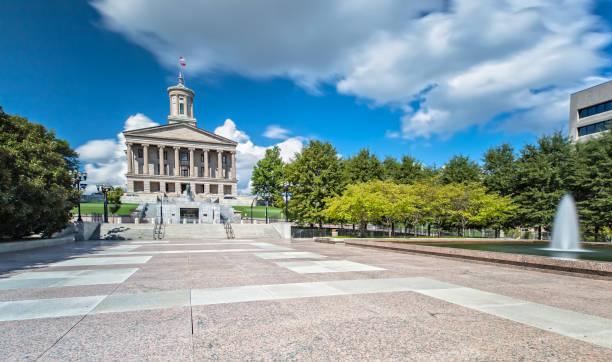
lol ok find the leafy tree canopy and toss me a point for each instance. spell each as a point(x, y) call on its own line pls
point(590, 181)
point(540, 178)
point(268, 175)
point(363, 167)
point(36, 193)
point(315, 176)
point(460, 169)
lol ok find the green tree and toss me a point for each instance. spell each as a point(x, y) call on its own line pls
point(470, 204)
point(415, 203)
point(390, 168)
point(590, 182)
point(460, 169)
point(499, 169)
point(541, 179)
point(354, 206)
point(410, 170)
point(114, 199)
point(268, 175)
point(315, 176)
point(36, 193)
point(363, 167)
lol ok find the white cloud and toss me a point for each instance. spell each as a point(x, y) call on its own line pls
point(465, 61)
point(276, 132)
point(247, 153)
point(105, 160)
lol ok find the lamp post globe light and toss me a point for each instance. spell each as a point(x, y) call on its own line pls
point(266, 196)
point(78, 179)
point(104, 188)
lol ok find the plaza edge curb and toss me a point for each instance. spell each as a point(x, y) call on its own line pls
point(590, 267)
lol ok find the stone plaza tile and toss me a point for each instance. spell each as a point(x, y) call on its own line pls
point(326, 266)
point(136, 302)
point(161, 334)
point(104, 261)
point(290, 255)
point(27, 340)
point(46, 279)
point(48, 308)
point(56, 292)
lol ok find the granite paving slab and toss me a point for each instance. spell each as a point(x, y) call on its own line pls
point(104, 261)
point(326, 266)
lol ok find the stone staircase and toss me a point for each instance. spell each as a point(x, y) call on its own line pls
point(191, 231)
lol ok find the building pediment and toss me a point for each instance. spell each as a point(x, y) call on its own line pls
point(179, 132)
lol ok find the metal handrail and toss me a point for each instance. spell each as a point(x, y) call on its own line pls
point(229, 231)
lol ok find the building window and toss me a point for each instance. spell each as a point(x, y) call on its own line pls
point(181, 105)
point(184, 157)
point(594, 128)
point(165, 155)
point(202, 158)
point(140, 153)
point(596, 109)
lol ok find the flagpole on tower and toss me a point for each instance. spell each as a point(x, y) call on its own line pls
point(181, 66)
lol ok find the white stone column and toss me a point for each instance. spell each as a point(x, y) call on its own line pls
point(191, 163)
point(176, 161)
point(161, 160)
point(145, 157)
point(206, 170)
point(233, 165)
point(130, 159)
point(219, 164)
point(207, 188)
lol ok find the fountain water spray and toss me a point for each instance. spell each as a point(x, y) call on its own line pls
point(566, 233)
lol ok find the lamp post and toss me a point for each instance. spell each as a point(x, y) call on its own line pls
point(266, 196)
point(78, 178)
point(286, 185)
point(161, 209)
point(104, 188)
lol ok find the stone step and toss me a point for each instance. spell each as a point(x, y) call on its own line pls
point(189, 231)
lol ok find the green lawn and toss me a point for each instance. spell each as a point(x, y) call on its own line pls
point(259, 212)
point(98, 208)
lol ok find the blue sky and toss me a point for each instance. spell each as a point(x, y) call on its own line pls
point(422, 79)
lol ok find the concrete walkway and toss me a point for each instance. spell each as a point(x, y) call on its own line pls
point(268, 299)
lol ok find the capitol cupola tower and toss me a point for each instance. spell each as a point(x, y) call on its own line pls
point(181, 103)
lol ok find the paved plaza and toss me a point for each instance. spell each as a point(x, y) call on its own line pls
point(276, 300)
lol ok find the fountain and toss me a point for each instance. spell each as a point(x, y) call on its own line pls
point(566, 233)
point(565, 243)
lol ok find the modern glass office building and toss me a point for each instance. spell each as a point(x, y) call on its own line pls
point(590, 112)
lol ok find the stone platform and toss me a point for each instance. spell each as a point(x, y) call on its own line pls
point(267, 299)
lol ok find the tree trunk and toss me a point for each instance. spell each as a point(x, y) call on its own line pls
point(539, 232)
point(428, 229)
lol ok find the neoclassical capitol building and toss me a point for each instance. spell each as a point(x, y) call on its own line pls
point(166, 159)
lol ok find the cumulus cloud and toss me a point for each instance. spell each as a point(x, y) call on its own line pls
point(463, 61)
point(276, 132)
point(105, 160)
point(247, 153)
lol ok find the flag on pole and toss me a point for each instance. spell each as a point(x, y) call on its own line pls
point(182, 61)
